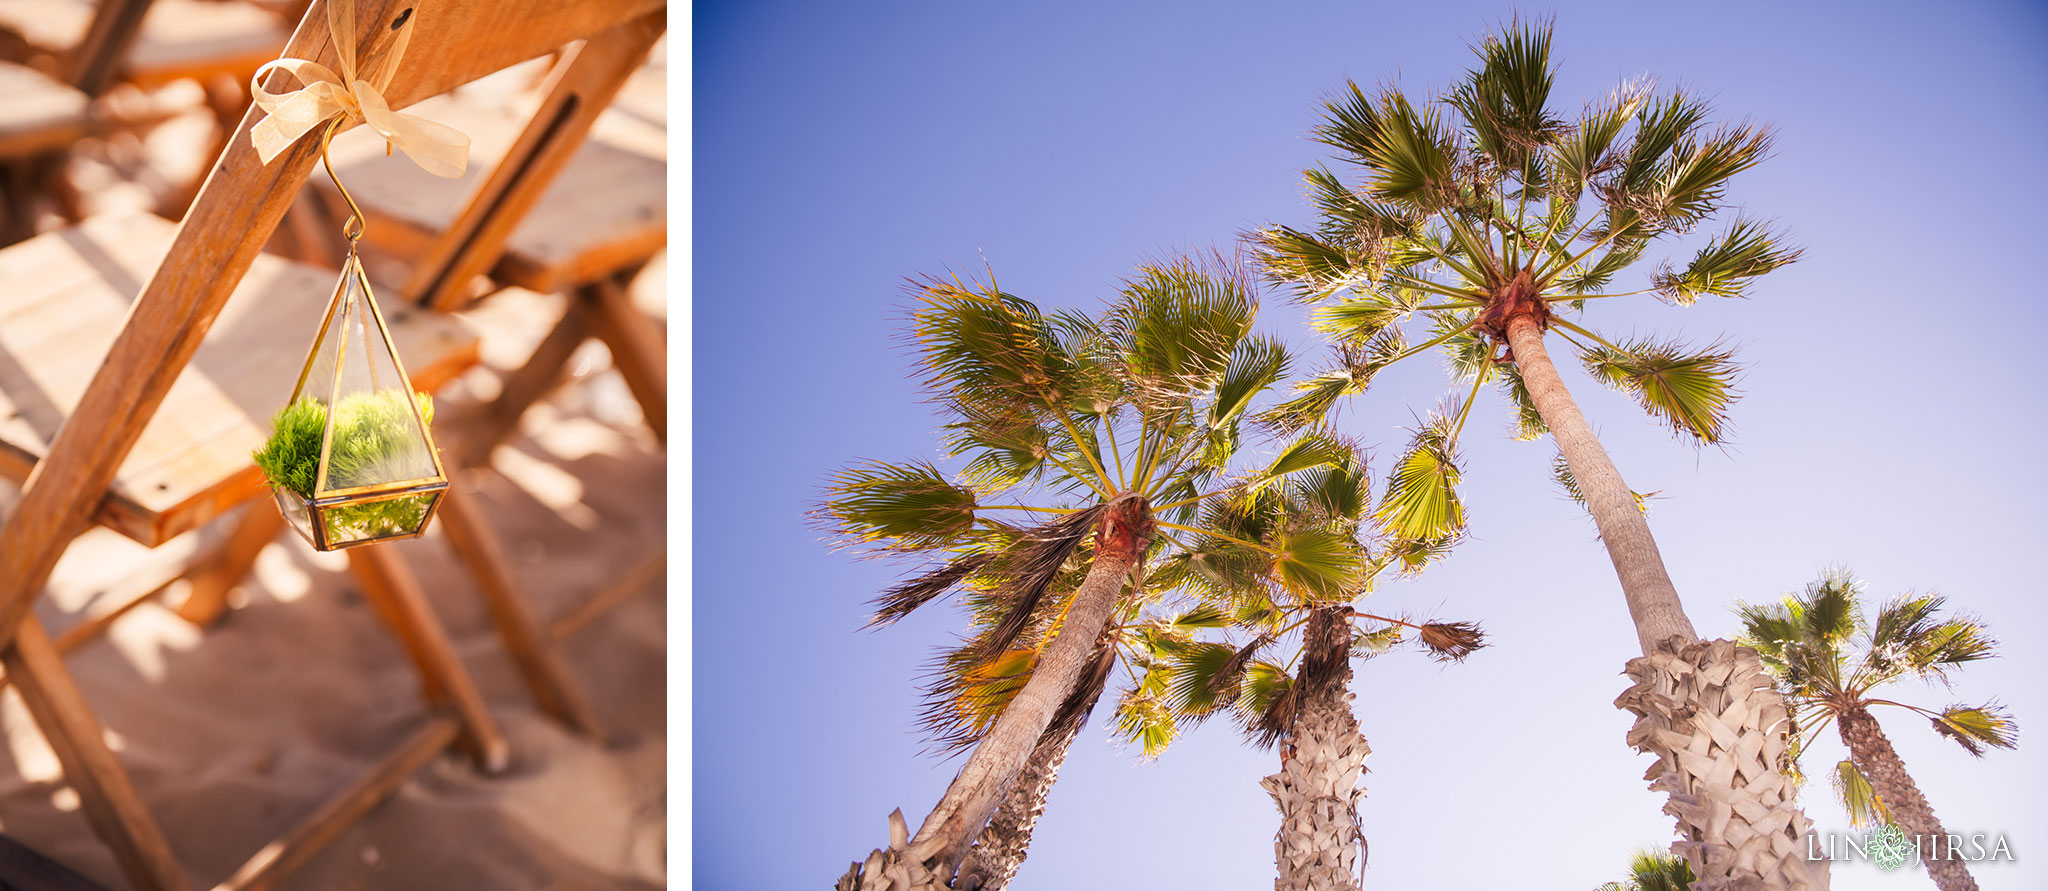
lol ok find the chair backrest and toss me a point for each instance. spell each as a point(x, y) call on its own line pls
point(239, 205)
point(93, 64)
point(578, 89)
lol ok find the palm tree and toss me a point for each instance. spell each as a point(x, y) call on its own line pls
point(1491, 223)
point(1116, 428)
point(1829, 661)
point(1307, 712)
point(1653, 871)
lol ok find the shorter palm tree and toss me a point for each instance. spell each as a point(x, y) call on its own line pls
point(1828, 661)
point(1650, 870)
point(1303, 706)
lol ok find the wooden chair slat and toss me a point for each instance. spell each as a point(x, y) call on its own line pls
point(40, 113)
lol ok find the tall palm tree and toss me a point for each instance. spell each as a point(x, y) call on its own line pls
point(1490, 222)
point(1117, 428)
point(1829, 660)
point(1653, 871)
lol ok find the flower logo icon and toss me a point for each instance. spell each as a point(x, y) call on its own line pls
point(1890, 848)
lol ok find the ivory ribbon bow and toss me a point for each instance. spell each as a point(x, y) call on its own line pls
point(439, 149)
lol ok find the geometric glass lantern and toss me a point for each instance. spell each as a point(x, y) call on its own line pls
point(352, 460)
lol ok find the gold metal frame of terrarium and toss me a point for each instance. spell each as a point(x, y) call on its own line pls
point(323, 499)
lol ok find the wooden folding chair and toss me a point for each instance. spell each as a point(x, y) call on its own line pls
point(43, 112)
point(95, 46)
point(160, 334)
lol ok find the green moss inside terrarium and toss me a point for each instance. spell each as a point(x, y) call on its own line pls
point(375, 441)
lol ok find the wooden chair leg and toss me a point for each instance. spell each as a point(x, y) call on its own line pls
point(257, 526)
point(637, 348)
point(104, 790)
point(18, 210)
point(524, 638)
point(524, 386)
point(395, 594)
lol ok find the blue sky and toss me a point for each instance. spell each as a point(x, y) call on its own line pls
point(1891, 418)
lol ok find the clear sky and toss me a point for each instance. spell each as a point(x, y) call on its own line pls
point(1892, 419)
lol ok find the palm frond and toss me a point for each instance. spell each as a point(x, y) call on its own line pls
point(1421, 499)
point(1450, 641)
point(1025, 572)
point(1355, 369)
point(1177, 325)
point(1852, 788)
point(1504, 101)
point(979, 346)
point(1588, 150)
point(1258, 363)
point(903, 598)
point(1413, 555)
point(1528, 423)
point(1143, 716)
point(1366, 644)
point(1351, 124)
point(1975, 726)
point(1318, 565)
point(1561, 473)
point(1315, 267)
point(1413, 163)
point(908, 506)
point(1727, 265)
point(1266, 703)
point(1690, 390)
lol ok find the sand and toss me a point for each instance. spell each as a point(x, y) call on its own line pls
point(233, 733)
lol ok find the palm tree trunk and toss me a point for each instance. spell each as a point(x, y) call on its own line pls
point(1000, 850)
point(1873, 755)
point(930, 858)
point(1704, 708)
point(1652, 599)
point(1319, 841)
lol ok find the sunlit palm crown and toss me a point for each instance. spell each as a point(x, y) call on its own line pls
point(1054, 415)
point(1449, 214)
point(1829, 659)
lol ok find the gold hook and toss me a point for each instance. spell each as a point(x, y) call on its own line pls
point(353, 229)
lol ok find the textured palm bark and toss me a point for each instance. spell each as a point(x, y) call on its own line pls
point(1652, 599)
point(1000, 850)
point(1318, 845)
point(1705, 708)
point(1872, 753)
point(1711, 715)
point(930, 859)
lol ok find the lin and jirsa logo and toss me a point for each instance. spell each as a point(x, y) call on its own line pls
point(1891, 848)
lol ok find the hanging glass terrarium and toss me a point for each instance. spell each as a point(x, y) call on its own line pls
point(351, 459)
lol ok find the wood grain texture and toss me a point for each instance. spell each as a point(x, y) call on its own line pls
point(237, 209)
point(63, 297)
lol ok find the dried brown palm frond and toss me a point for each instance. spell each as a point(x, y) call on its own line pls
point(1228, 678)
point(1026, 571)
point(1451, 641)
point(905, 597)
